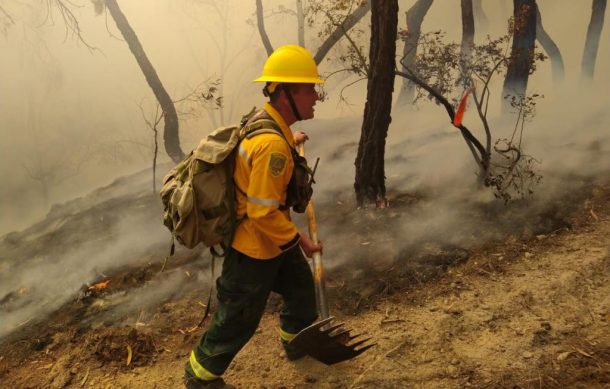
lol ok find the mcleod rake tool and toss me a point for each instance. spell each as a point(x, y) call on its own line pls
point(327, 342)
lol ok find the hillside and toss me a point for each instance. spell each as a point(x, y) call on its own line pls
point(528, 309)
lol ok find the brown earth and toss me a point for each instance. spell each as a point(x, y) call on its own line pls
point(532, 311)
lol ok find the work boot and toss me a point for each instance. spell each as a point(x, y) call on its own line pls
point(192, 382)
point(293, 353)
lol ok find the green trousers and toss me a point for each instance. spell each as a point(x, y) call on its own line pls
point(243, 289)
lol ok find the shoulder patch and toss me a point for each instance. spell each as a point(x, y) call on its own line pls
point(277, 163)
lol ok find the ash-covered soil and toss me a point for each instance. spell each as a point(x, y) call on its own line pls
point(528, 309)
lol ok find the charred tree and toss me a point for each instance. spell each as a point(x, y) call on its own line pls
point(370, 174)
point(170, 117)
point(467, 40)
point(522, 53)
point(415, 17)
point(594, 31)
point(551, 49)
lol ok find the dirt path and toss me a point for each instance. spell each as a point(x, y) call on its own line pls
point(526, 314)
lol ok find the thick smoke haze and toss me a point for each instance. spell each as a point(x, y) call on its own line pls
point(75, 110)
point(74, 114)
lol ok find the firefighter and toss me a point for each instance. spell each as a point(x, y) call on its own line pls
point(267, 250)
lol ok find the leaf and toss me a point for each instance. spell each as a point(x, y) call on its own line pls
point(129, 354)
point(82, 383)
point(563, 356)
point(586, 354)
point(459, 113)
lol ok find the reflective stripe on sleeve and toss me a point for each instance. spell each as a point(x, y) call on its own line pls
point(244, 154)
point(286, 336)
point(264, 202)
point(201, 372)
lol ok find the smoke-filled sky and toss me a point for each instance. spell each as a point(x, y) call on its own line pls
point(74, 114)
point(71, 118)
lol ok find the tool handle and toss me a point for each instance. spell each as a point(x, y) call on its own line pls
point(318, 267)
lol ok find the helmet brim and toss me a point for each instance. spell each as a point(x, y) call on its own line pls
point(290, 80)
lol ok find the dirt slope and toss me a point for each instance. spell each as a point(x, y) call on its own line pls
point(523, 313)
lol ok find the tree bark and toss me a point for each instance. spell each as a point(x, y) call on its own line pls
point(301, 22)
point(522, 53)
point(260, 23)
point(480, 16)
point(415, 17)
point(350, 21)
point(467, 40)
point(370, 174)
point(170, 117)
point(551, 49)
point(594, 31)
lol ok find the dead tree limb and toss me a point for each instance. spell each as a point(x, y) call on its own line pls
point(350, 21)
point(468, 137)
point(170, 133)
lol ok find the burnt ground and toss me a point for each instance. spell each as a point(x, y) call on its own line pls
point(529, 310)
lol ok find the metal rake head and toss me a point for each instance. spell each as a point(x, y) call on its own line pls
point(330, 343)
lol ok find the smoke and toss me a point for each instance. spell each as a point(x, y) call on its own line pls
point(80, 97)
point(427, 159)
point(136, 305)
point(106, 230)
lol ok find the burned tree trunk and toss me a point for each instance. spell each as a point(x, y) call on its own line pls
point(415, 17)
point(551, 49)
point(480, 16)
point(260, 22)
point(467, 40)
point(594, 31)
point(522, 53)
point(170, 133)
point(370, 173)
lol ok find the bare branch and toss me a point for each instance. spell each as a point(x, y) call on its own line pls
point(341, 98)
point(350, 21)
point(449, 108)
point(357, 50)
point(7, 15)
point(154, 127)
point(70, 21)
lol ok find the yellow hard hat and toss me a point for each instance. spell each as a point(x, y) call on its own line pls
point(290, 64)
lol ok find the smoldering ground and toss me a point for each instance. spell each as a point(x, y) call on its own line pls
point(429, 165)
point(77, 244)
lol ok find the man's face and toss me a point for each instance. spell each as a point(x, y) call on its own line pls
point(305, 97)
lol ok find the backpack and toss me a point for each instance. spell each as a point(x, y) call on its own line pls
point(198, 194)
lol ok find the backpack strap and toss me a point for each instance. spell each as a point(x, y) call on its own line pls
point(261, 126)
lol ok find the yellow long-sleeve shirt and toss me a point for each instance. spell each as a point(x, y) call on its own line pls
point(263, 167)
